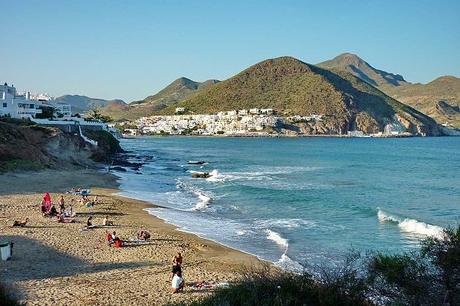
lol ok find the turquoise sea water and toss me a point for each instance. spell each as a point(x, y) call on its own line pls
point(301, 200)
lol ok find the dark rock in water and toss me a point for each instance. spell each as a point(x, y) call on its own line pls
point(116, 168)
point(201, 175)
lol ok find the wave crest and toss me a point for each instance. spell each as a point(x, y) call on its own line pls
point(412, 226)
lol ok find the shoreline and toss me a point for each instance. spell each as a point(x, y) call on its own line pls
point(79, 268)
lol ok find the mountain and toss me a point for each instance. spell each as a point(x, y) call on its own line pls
point(81, 104)
point(292, 87)
point(355, 65)
point(175, 92)
point(439, 99)
point(430, 99)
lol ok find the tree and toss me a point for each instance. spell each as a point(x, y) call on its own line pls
point(95, 114)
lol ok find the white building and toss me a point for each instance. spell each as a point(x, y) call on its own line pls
point(17, 106)
point(25, 106)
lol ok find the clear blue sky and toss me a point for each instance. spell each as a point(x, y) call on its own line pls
point(131, 49)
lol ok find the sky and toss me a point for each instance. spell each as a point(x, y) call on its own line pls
point(131, 49)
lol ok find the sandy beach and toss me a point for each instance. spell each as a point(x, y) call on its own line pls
point(61, 264)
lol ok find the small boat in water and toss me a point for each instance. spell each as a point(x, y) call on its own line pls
point(196, 162)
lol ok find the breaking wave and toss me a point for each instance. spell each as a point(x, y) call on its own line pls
point(274, 236)
point(412, 226)
point(203, 200)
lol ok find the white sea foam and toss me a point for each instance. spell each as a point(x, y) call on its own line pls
point(257, 174)
point(274, 236)
point(412, 226)
point(203, 200)
point(286, 263)
point(285, 223)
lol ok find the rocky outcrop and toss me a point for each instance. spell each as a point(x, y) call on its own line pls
point(22, 143)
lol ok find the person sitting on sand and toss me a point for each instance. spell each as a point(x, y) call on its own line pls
point(177, 264)
point(177, 282)
point(89, 222)
point(53, 212)
point(117, 242)
point(95, 200)
point(143, 235)
point(21, 224)
point(61, 205)
point(107, 222)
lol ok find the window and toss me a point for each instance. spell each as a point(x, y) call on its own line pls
point(5, 104)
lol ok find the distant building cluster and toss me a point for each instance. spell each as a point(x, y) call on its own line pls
point(232, 122)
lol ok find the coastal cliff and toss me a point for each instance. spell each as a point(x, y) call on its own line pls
point(26, 146)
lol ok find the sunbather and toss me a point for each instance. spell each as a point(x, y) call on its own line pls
point(107, 222)
point(89, 222)
point(64, 219)
point(143, 235)
point(21, 224)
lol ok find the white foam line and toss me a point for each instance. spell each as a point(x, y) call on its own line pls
point(413, 226)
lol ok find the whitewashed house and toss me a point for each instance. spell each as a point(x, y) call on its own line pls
point(17, 106)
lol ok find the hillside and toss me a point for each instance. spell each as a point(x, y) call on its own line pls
point(292, 87)
point(175, 92)
point(431, 99)
point(81, 104)
point(358, 67)
point(439, 99)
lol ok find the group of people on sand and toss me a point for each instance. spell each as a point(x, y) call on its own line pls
point(64, 215)
point(113, 239)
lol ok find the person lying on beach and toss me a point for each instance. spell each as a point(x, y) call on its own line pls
point(177, 282)
point(21, 224)
point(143, 235)
point(64, 219)
point(177, 264)
point(107, 222)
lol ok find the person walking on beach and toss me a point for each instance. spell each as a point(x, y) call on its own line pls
point(177, 264)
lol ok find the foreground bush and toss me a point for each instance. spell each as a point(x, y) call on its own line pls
point(428, 277)
point(5, 297)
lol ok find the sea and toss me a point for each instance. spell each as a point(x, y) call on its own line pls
point(300, 202)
